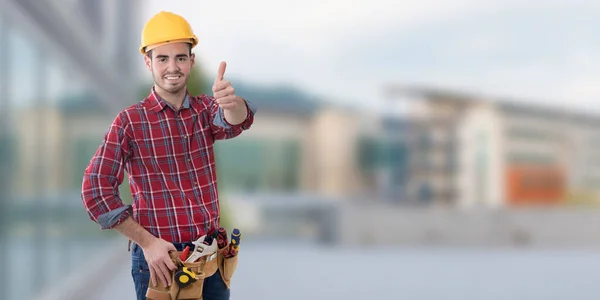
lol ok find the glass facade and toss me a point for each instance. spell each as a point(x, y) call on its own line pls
point(51, 123)
point(277, 159)
point(5, 155)
point(389, 156)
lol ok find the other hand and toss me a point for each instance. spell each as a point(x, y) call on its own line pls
point(159, 261)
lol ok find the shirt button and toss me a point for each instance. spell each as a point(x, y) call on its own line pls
point(185, 136)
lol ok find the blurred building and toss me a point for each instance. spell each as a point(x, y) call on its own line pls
point(499, 153)
point(418, 165)
point(55, 65)
point(298, 144)
point(383, 160)
point(53, 53)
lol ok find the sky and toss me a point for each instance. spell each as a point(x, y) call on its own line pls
point(540, 51)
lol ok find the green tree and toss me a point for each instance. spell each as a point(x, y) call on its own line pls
point(199, 83)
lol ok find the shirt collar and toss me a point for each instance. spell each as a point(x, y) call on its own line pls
point(157, 103)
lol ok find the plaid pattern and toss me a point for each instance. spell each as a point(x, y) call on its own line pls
point(170, 162)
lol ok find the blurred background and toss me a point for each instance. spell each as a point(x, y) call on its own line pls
point(401, 150)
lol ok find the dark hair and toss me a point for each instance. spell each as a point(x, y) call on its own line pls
point(149, 53)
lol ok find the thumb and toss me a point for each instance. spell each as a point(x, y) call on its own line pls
point(221, 71)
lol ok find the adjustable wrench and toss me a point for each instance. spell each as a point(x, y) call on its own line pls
point(203, 247)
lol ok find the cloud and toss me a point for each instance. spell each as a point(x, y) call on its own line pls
point(543, 55)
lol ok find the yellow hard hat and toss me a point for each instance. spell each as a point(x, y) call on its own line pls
point(166, 27)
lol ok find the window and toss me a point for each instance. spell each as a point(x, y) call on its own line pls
point(369, 153)
point(530, 158)
point(425, 193)
point(7, 140)
point(83, 150)
point(529, 134)
point(258, 164)
point(24, 80)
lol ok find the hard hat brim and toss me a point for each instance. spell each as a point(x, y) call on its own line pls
point(144, 49)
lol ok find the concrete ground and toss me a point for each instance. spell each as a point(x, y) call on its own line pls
point(294, 272)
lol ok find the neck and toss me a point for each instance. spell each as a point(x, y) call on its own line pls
point(174, 99)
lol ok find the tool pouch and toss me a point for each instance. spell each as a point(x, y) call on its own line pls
point(190, 292)
point(227, 266)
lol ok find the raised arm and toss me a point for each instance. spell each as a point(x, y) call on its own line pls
point(230, 114)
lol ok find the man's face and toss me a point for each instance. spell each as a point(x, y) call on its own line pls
point(170, 66)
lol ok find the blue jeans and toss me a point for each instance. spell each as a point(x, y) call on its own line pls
point(214, 287)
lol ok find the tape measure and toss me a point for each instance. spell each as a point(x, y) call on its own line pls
point(184, 277)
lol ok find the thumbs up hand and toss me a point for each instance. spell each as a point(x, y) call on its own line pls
point(224, 93)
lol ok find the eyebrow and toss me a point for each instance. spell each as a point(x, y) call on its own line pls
point(176, 56)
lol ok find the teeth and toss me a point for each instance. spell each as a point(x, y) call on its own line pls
point(173, 77)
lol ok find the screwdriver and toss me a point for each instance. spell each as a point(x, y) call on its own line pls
point(235, 239)
point(234, 247)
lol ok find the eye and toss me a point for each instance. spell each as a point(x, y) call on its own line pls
point(182, 59)
point(162, 59)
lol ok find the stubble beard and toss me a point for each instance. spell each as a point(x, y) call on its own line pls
point(169, 88)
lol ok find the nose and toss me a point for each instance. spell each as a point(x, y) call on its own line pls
point(173, 67)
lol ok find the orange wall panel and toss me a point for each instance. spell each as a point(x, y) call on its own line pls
point(535, 184)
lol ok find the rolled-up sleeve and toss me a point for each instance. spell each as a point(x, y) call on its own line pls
point(222, 129)
point(103, 176)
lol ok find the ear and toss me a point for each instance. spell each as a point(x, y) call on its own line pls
point(148, 62)
point(193, 59)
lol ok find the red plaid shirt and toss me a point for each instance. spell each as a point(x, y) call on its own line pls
point(169, 159)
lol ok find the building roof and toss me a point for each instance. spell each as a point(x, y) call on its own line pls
point(285, 99)
point(432, 94)
point(509, 105)
point(282, 99)
point(550, 112)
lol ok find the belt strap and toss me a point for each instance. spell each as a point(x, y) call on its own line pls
point(178, 246)
point(181, 246)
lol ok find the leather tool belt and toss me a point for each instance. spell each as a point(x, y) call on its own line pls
point(202, 269)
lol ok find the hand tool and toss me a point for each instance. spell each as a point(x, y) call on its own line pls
point(184, 253)
point(236, 236)
point(234, 246)
point(204, 246)
point(184, 277)
point(222, 238)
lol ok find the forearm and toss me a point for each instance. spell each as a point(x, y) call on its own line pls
point(135, 232)
point(237, 115)
point(226, 123)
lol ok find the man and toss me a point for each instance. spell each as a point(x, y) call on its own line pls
point(165, 144)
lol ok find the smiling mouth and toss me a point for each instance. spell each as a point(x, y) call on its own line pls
point(173, 77)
